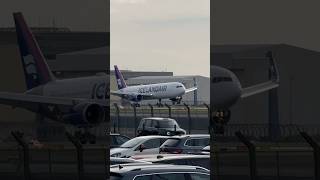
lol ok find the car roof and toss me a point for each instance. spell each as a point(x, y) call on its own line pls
point(136, 167)
point(129, 160)
point(191, 135)
point(161, 157)
point(150, 137)
point(158, 118)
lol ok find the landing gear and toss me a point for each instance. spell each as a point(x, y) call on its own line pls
point(136, 104)
point(159, 104)
point(176, 100)
point(220, 117)
point(85, 137)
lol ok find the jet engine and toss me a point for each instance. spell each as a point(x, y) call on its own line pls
point(86, 114)
point(135, 97)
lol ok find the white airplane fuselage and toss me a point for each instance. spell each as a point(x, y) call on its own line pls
point(158, 91)
point(92, 87)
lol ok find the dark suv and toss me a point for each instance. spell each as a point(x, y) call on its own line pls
point(157, 172)
point(187, 144)
point(159, 126)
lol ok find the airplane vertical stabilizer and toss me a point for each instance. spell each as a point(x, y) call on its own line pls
point(120, 80)
point(35, 67)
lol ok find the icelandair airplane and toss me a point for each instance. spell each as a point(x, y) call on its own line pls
point(79, 101)
point(135, 94)
point(226, 90)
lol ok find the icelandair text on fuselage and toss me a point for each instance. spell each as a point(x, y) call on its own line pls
point(151, 89)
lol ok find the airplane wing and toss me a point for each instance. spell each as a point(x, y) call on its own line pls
point(266, 86)
point(259, 88)
point(32, 102)
point(191, 89)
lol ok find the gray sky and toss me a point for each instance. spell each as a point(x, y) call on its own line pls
point(161, 35)
point(79, 15)
point(294, 22)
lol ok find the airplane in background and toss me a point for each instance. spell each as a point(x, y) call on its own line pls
point(81, 102)
point(135, 94)
point(226, 90)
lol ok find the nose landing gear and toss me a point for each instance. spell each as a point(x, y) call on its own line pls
point(220, 118)
point(85, 136)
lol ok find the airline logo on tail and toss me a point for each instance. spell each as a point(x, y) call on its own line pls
point(120, 80)
point(35, 67)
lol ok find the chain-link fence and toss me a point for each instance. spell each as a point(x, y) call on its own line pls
point(125, 120)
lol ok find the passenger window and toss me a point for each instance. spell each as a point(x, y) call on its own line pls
point(195, 176)
point(121, 140)
point(152, 143)
point(148, 123)
point(169, 176)
point(198, 142)
point(146, 177)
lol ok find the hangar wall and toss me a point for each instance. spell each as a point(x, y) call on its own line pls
point(299, 89)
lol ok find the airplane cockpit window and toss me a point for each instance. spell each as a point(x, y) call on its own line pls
point(179, 86)
point(221, 79)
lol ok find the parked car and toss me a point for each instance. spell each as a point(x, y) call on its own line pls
point(187, 144)
point(158, 171)
point(117, 140)
point(206, 150)
point(177, 159)
point(139, 145)
point(159, 126)
point(115, 160)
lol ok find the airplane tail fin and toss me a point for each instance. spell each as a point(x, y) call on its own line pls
point(120, 81)
point(36, 69)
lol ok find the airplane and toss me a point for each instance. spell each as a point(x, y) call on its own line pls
point(80, 102)
point(226, 90)
point(135, 94)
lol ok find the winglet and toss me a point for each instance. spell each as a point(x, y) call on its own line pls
point(273, 70)
point(35, 67)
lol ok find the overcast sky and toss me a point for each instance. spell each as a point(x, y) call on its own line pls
point(161, 35)
point(79, 15)
point(293, 22)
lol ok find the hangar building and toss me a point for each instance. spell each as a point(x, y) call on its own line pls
point(298, 94)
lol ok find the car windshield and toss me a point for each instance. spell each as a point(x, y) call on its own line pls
point(167, 124)
point(171, 142)
point(132, 143)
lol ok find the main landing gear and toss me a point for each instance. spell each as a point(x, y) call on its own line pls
point(136, 104)
point(159, 104)
point(220, 117)
point(176, 100)
point(85, 136)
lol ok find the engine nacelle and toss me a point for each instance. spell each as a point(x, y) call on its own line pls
point(86, 114)
point(135, 97)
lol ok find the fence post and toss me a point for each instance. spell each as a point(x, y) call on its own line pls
point(151, 109)
point(135, 119)
point(18, 136)
point(208, 107)
point(189, 117)
point(118, 118)
point(79, 148)
point(169, 109)
point(252, 154)
point(316, 153)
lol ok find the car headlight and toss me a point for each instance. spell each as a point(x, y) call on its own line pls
point(116, 155)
